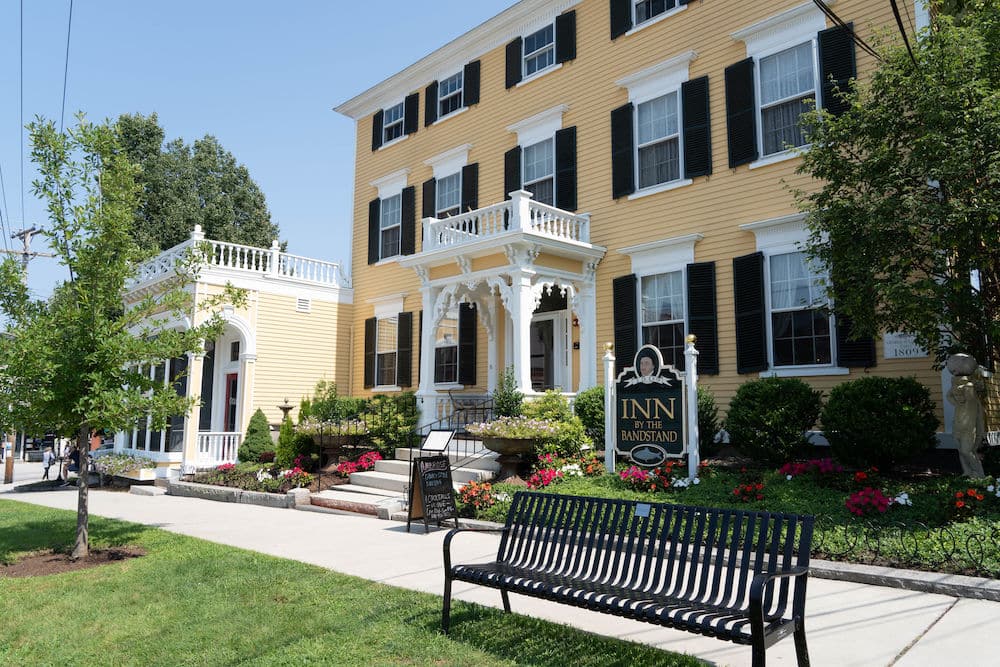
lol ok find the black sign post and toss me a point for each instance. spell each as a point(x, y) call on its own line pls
point(650, 410)
point(432, 496)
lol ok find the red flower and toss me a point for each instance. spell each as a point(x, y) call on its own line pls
point(959, 504)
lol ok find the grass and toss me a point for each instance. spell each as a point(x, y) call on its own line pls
point(191, 602)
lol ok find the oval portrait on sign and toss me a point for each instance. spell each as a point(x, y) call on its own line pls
point(648, 455)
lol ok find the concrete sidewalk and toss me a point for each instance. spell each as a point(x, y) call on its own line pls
point(847, 623)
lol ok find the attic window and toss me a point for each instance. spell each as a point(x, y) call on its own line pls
point(303, 305)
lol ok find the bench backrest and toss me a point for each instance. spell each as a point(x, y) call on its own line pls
point(702, 554)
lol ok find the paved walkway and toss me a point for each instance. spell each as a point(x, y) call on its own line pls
point(847, 624)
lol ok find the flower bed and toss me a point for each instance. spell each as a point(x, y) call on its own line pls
point(256, 477)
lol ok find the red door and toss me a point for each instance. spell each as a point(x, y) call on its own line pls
point(232, 385)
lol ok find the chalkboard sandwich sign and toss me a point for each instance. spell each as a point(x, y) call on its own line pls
point(649, 410)
point(432, 497)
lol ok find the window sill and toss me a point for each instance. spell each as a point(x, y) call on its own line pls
point(393, 142)
point(386, 388)
point(388, 260)
point(441, 119)
point(537, 75)
point(656, 189)
point(653, 21)
point(775, 158)
point(804, 371)
point(448, 385)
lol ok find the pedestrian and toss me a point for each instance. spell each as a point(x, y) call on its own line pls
point(67, 464)
point(48, 458)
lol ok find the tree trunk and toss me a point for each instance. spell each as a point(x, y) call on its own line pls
point(82, 546)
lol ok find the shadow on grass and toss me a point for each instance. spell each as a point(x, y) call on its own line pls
point(58, 533)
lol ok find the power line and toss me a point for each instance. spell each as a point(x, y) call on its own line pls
point(69, 28)
point(4, 230)
point(862, 44)
point(902, 29)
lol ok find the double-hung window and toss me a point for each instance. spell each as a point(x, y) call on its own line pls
point(392, 123)
point(390, 224)
point(648, 9)
point(449, 195)
point(658, 141)
point(450, 95)
point(800, 323)
point(662, 312)
point(539, 50)
point(787, 81)
point(385, 351)
point(446, 349)
point(539, 171)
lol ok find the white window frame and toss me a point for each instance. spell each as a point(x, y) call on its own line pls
point(394, 351)
point(779, 236)
point(772, 310)
point(383, 228)
point(389, 186)
point(551, 47)
point(439, 210)
point(637, 24)
point(452, 314)
point(552, 175)
point(683, 321)
point(400, 122)
point(679, 136)
point(459, 93)
point(760, 106)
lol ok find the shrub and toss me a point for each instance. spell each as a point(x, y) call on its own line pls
point(258, 438)
point(768, 418)
point(285, 453)
point(391, 421)
point(569, 435)
point(507, 400)
point(708, 423)
point(879, 421)
point(589, 407)
point(551, 406)
point(328, 405)
point(266, 457)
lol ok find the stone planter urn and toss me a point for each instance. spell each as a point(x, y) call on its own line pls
point(514, 456)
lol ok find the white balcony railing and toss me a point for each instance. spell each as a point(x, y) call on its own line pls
point(265, 262)
point(217, 447)
point(518, 214)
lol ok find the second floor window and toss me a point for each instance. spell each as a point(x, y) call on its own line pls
point(450, 95)
point(539, 50)
point(662, 301)
point(390, 226)
point(449, 195)
point(787, 81)
point(392, 123)
point(539, 171)
point(647, 9)
point(658, 141)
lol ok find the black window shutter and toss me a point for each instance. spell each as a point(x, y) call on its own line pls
point(404, 350)
point(697, 128)
point(702, 317)
point(566, 169)
point(374, 231)
point(467, 344)
point(408, 222)
point(751, 329)
point(179, 378)
point(420, 343)
point(207, 377)
point(741, 113)
point(621, 17)
point(411, 109)
point(622, 152)
point(377, 129)
point(513, 63)
point(853, 352)
point(623, 292)
point(371, 325)
point(429, 199)
point(837, 65)
point(470, 187)
point(511, 171)
point(566, 36)
point(431, 104)
point(470, 84)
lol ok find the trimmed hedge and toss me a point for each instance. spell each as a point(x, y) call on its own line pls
point(768, 419)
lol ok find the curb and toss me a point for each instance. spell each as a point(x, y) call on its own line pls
point(229, 495)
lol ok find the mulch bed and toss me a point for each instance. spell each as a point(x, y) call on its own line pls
point(50, 562)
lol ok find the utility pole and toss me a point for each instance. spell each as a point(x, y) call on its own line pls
point(26, 255)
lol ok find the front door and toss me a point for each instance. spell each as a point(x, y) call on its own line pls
point(232, 388)
point(543, 354)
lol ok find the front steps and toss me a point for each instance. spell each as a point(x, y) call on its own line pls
point(383, 491)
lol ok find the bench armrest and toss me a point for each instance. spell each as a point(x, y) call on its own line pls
point(760, 584)
point(455, 531)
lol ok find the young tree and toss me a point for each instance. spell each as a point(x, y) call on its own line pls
point(907, 214)
point(182, 186)
point(74, 363)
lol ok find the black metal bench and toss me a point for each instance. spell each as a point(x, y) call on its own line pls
point(732, 574)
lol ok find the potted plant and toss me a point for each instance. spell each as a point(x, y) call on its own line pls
point(512, 438)
point(334, 434)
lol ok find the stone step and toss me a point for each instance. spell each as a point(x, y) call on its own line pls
point(481, 460)
point(458, 475)
point(367, 491)
point(380, 480)
point(360, 503)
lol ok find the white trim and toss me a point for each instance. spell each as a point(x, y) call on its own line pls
point(805, 371)
point(448, 385)
point(450, 161)
point(781, 156)
point(652, 258)
point(386, 387)
point(657, 189)
point(389, 305)
point(393, 142)
point(656, 19)
point(392, 184)
point(454, 113)
point(781, 30)
point(658, 80)
point(539, 127)
point(779, 235)
point(537, 75)
point(520, 19)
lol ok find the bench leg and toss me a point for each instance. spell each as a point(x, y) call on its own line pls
point(801, 651)
point(446, 605)
point(757, 654)
point(506, 600)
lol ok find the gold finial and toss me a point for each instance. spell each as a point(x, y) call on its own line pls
point(691, 338)
point(609, 346)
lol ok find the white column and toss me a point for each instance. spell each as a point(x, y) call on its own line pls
point(492, 347)
point(520, 220)
point(275, 259)
point(248, 365)
point(195, 372)
point(426, 396)
point(691, 366)
point(587, 317)
point(522, 304)
point(609, 408)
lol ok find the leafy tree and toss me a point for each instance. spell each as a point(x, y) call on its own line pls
point(75, 363)
point(909, 205)
point(183, 186)
point(258, 439)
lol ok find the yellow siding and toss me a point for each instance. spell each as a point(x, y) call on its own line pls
point(714, 206)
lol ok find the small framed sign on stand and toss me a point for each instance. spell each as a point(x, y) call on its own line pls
point(432, 497)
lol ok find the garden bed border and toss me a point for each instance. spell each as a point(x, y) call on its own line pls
point(228, 494)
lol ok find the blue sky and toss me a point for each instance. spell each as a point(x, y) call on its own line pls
point(262, 76)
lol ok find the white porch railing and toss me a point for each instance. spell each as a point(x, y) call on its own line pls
point(217, 447)
point(519, 213)
point(265, 262)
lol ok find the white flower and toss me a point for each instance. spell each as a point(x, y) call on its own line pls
point(788, 477)
point(502, 497)
point(902, 499)
point(990, 488)
point(696, 480)
point(572, 469)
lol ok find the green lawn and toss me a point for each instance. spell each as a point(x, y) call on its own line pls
point(191, 602)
